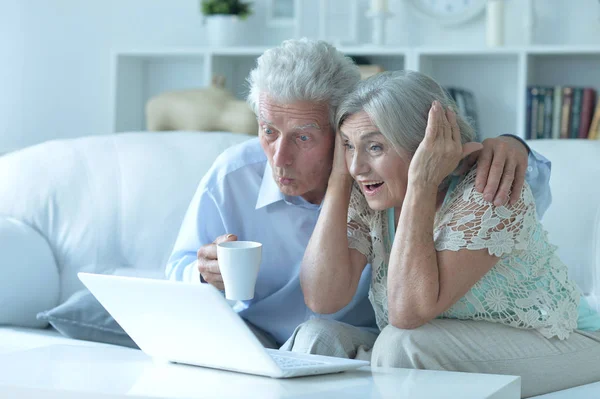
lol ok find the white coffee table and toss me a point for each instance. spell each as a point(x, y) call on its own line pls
point(68, 371)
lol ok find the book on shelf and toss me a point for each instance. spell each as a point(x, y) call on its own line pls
point(565, 115)
point(594, 132)
point(587, 107)
point(548, 112)
point(560, 112)
point(556, 110)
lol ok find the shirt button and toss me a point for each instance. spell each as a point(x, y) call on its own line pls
point(530, 168)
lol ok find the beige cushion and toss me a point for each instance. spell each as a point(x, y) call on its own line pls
point(208, 109)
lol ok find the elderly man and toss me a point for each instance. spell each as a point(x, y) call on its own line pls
point(270, 190)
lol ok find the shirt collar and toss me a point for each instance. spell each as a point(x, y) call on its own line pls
point(269, 192)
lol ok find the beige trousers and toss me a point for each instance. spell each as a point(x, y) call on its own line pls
point(331, 338)
point(545, 365)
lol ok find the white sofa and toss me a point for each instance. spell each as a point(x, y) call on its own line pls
point(97, 204)
point(115, 203)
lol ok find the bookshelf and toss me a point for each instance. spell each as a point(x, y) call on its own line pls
point(497, 77)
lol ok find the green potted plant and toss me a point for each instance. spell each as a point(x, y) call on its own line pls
point(226, 7)
point(225, 21)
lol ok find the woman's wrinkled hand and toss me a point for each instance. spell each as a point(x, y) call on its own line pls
point(441, 150)
point(339, 168)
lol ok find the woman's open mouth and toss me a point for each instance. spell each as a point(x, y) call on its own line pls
point(372, 188)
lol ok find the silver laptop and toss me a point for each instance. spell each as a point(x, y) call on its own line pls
point(194, 324)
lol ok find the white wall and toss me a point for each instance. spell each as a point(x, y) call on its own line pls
point(55, 69)
point(557, 22)
point(11, 75)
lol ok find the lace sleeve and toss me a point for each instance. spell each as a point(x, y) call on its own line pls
point(466, 220)
point(359, 236)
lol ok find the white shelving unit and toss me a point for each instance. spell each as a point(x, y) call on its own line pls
point(497, 77)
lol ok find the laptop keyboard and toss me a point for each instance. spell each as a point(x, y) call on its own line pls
point(288, 362)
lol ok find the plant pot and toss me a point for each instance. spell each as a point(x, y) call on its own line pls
point(225, 30)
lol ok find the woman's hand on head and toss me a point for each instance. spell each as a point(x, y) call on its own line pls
point(339, 168)
point(441, 150)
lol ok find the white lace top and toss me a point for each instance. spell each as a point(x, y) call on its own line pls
point(527, 288)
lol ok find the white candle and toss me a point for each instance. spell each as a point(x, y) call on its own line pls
point(379, 5)
point(495, 23)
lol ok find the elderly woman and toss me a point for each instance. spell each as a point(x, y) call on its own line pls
point(457, 282)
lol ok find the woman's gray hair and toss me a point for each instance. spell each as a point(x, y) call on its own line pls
point(398, 103)
point(303, 70)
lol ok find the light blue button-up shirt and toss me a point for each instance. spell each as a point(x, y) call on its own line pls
point(239, 196)
point(538, 177)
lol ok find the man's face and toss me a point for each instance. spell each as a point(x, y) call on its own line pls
point(298, 141)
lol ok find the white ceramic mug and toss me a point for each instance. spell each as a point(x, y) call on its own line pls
point(239, 262)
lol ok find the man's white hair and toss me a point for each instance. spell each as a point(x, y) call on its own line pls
point(303, 70)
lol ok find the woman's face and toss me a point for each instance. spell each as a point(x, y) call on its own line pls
point(380, 170)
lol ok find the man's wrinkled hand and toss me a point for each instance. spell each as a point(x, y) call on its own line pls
point(501, 167)
point(208, 264)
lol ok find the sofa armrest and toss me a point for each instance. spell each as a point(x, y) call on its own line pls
point(29, 279)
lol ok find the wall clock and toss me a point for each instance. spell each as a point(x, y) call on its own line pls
point(450, 12)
